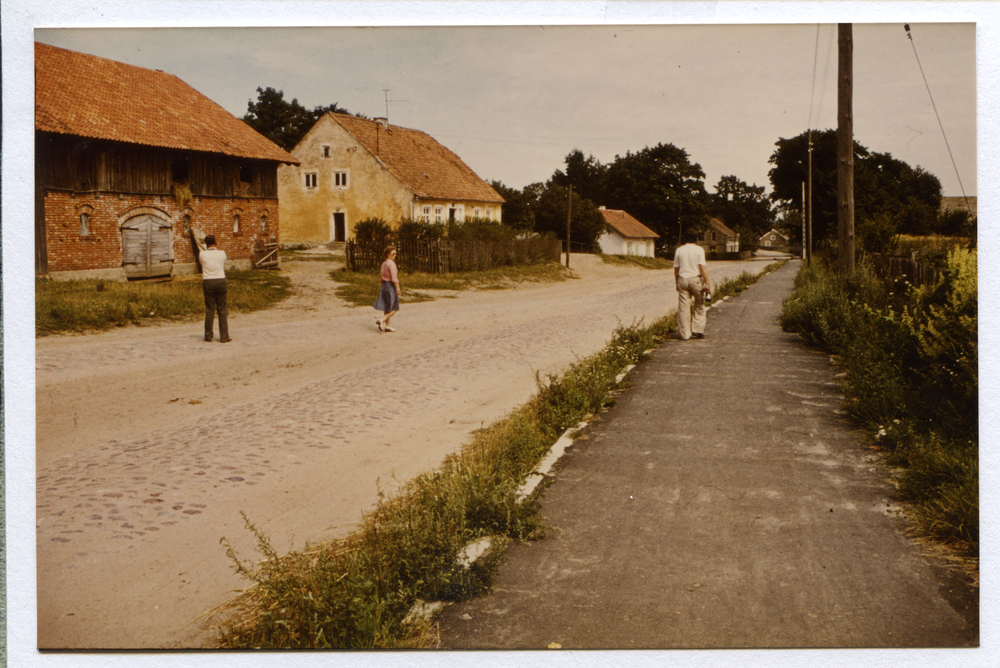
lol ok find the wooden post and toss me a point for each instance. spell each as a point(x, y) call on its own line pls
point(804, 221)
point(845, 149)
point(809, 204)
point(569, 213)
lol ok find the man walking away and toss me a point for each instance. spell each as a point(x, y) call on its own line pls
point(691, 278)
point(213, 274)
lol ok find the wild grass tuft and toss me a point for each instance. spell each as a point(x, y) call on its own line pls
point(360, 288)
point(98, 304)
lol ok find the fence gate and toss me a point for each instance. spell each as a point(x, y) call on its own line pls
point(146, 247)
point(265, 254)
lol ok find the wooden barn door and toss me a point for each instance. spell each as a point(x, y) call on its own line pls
point(146, 247)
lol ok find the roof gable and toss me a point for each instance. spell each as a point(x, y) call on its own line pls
point(427, 168)
point(87, 96)
point(721, 227)
point(626, 225)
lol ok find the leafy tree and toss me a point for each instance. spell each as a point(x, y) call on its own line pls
point(743, 208)
point(517, 208)
point(284, 123)
point(889, 195)
point(586, 222)
point(659, 186)
point(586, 175)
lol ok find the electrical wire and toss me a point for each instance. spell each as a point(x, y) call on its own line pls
point(909, 36)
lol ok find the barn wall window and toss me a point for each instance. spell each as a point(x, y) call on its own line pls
point(84, 224)
point(263, 223)
point(187, 222)
point(246, 174)
point(180, 171)
point(236, 224)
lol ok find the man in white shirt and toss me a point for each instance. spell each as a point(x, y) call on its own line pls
point(213, 275)
point(691, 278)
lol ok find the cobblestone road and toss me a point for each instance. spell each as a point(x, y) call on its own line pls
point(298, 422)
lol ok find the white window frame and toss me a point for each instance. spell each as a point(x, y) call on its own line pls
point(325, 151)
point(312, 180)
point(341, 179)
point(438, 212)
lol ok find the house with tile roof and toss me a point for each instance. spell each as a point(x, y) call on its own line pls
point(128, 160)
point(624, 235)
point(351, 169)
point(772, 239)
point(717, 238)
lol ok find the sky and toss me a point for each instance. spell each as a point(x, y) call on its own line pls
point(603, 76)
point(513, 101)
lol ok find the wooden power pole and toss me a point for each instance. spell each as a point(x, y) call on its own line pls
point(569, 214)
point(845, 149)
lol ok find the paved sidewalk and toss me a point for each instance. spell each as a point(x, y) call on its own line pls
point(724, 501)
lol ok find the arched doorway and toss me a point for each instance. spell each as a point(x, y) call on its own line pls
point(146, 247)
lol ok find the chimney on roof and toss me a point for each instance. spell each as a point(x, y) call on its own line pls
point(601, 208)
point(384, 122)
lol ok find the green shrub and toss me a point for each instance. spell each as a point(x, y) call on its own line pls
point(373, 230)
point(911, 357)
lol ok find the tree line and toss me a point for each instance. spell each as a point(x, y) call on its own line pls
point(665, 190)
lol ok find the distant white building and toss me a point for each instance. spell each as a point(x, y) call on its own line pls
point(624, 235)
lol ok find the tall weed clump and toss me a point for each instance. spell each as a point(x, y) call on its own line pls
point(911, 356)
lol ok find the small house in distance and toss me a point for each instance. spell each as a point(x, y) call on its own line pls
point(128, 160)
point(717, 238)
point(624, 235)
point(351, 169)
point(772, 239)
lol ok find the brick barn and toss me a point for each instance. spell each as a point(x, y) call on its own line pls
point(128, 160)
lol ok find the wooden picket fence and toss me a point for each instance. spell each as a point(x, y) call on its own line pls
point(893, 267)
point(443, 256)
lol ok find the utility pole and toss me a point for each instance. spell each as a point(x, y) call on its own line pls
point(845, 149)
point(804, 221)
point(809, 208)
point(569, 213)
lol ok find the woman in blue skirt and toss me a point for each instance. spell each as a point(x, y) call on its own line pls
point(388, 295)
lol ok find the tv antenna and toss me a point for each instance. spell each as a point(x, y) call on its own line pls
point(387, 101)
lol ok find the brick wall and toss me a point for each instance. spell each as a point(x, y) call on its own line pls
point(69, 250)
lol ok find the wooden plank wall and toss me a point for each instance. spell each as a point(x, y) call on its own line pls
point(83, 165)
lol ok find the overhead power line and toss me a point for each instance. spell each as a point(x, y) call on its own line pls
point(909, 36)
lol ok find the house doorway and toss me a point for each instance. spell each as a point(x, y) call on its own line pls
point(451, 215)
point(339, 231)
point(146, 247)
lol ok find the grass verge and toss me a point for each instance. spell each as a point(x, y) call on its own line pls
point(361, 288)
point(635, 260)
point(98, 304)
point(911, 356)
point(356, 592)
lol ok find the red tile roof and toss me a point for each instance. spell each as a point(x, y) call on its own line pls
point(626, 225)
point(423, 165)
point(720, 227)
point(86, 96)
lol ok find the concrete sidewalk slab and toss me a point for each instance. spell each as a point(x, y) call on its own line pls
point(724, 501)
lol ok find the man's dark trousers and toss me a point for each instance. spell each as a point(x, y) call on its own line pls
point(215, 300)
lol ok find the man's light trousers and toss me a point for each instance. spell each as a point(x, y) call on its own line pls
point(688, 290)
